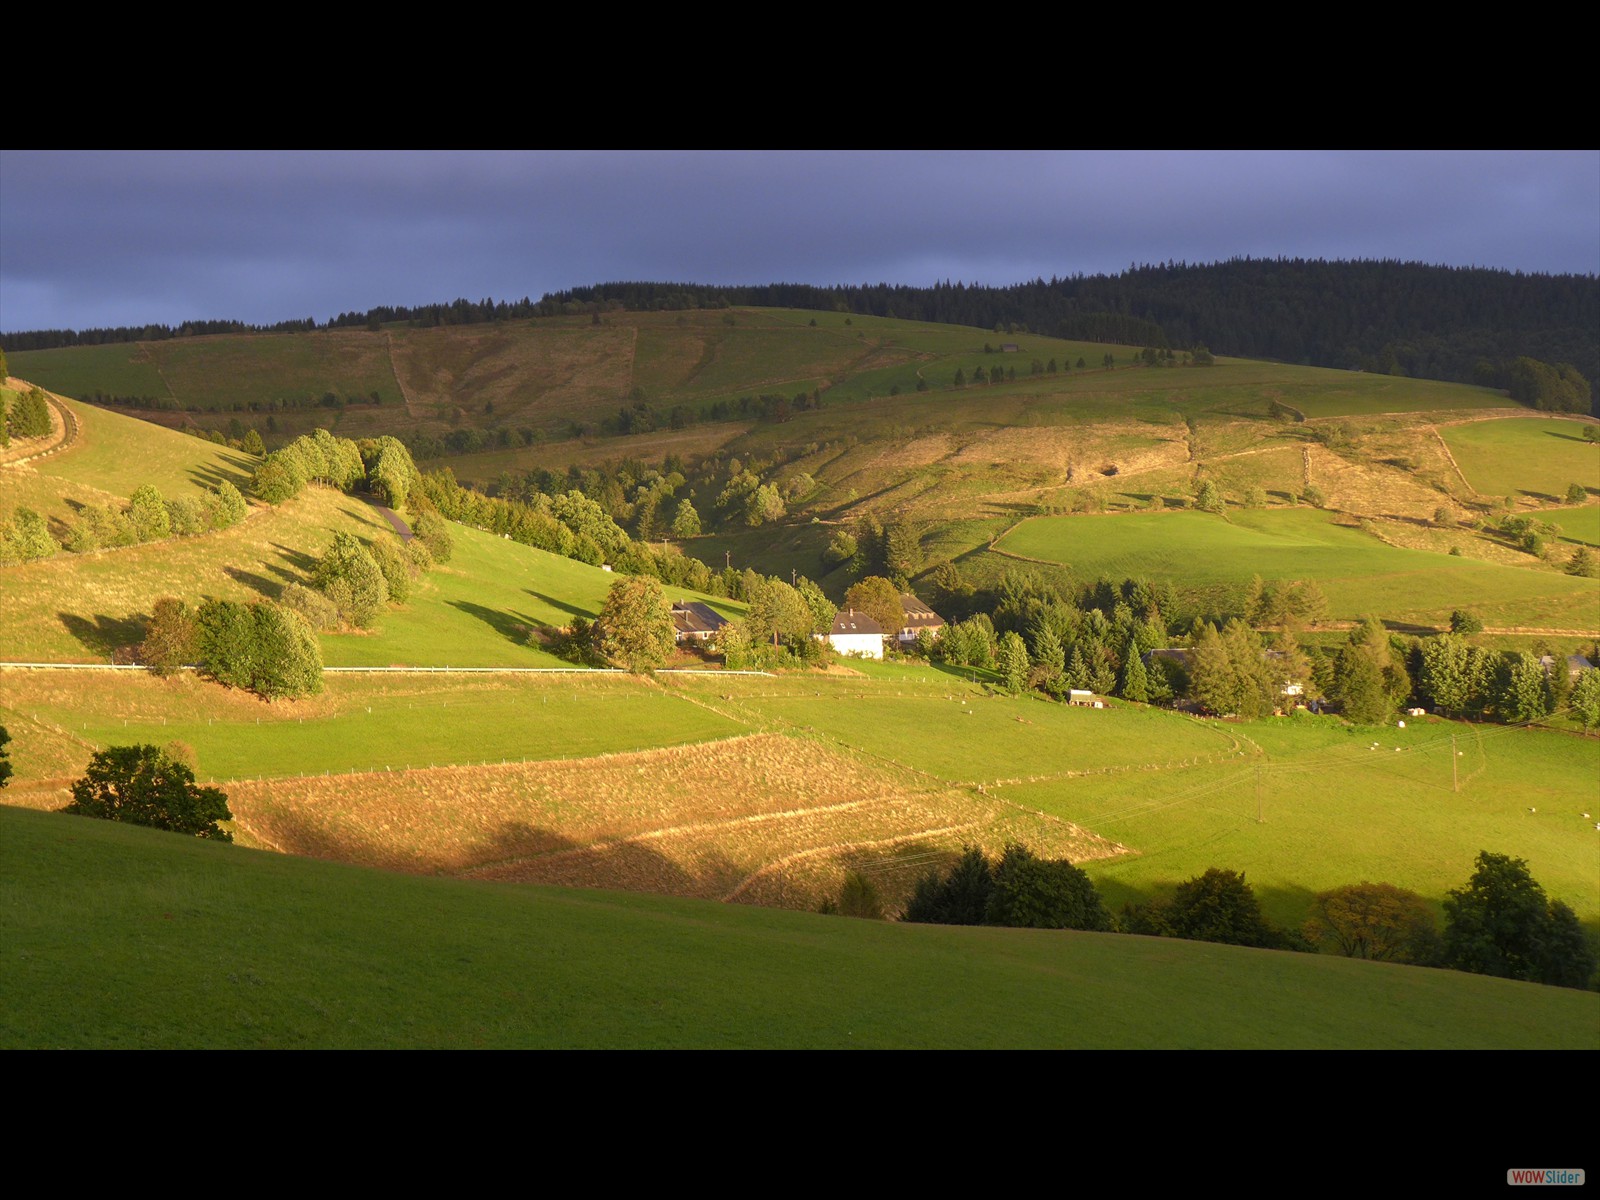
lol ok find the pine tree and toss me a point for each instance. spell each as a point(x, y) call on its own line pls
point(1135, 684)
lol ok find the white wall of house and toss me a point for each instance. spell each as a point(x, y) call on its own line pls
point(869, 645)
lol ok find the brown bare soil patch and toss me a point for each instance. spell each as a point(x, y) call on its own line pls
point(763, 819)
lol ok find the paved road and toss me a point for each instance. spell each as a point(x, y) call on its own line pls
point(400, 526)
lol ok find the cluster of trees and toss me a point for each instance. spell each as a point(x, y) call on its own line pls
point(1216, 906)
point(1018, 889)
point(1559, 388)
point(147, 517)
point(264, 647)
point(1461, 679)
point(24, 537)
point(26, 416)
point(150, 786)
point(1502, 923)
point(383, 464)
point(573, 525)
point(1499, 923)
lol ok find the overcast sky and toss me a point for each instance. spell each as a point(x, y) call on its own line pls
point(128, 238)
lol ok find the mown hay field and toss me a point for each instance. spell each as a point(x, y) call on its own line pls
point(764, 819)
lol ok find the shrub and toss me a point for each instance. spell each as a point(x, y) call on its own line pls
point(227, 506)
point(1037, 893)
point(315, 609)
point(420, 557)
point(395, 566)
point(264, 648)
point(25, 537)
point(434, 533)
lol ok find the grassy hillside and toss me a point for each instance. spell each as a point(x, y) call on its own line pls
point(476, 610)
point(112, 456)
point(1359, 573)
point(122, 937)
point(1535, 457)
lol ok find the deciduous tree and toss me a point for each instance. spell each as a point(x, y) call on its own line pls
point(635, 624)
point(1375, 920)
point(141, 785)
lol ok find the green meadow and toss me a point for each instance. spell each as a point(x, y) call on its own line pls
point(1358, 573)
point(362, 722)
point(119, 937)
point(1536, 457)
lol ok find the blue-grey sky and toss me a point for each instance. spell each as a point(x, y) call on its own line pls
point(130, 238)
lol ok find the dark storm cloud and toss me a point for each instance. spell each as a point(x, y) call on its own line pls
point(100, 239)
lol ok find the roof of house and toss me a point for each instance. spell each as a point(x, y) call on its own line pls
point(918, 614)
point(695, 616)
point(851, 621)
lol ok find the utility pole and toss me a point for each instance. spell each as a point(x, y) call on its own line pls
point(1258, 794)
point(727, 559)
point(1455, 780)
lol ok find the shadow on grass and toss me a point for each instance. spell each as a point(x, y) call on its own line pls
point(514, 627)
point(515, 851)
point(258, 583)
point(570, 609)
point(294, 558)
point(1568, 437)
point(105, 635)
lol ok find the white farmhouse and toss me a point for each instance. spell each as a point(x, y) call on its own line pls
point(856, 633)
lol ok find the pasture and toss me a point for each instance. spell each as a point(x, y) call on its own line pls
point(1334, 810)
point(282, 952)
point(359, 722)
point(1360, 574)
point(1530, 457)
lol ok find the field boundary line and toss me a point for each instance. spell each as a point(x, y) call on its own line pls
point(837, 847)
point(1454, 466)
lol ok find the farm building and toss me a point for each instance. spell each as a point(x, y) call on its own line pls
point(1577, 664)
point(856, 633)
point(1083, 698)
point(694, 621)
point(918, 617)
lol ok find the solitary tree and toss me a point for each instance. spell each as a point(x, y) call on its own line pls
point(880, 600)
point(142, 785)
point(635, 624)
point(1374, 920)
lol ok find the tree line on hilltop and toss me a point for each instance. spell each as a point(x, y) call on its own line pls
point(1462, 324)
